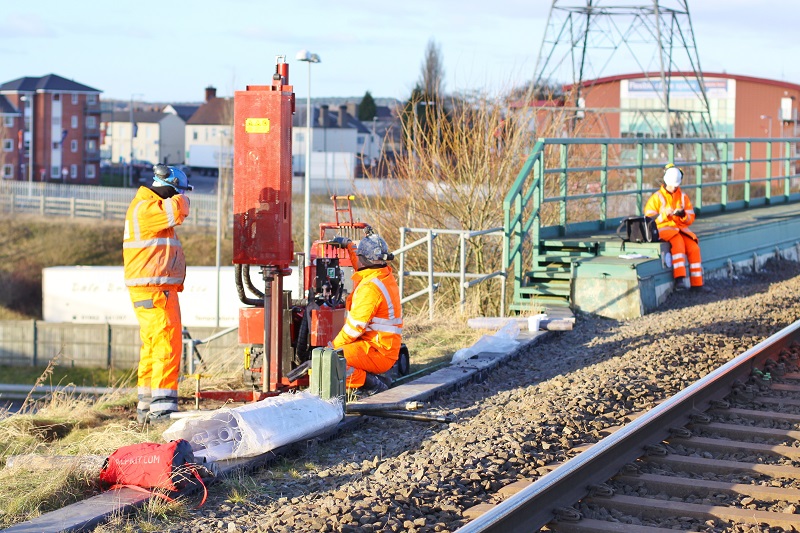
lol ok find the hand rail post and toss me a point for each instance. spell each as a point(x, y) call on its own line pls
point(430, 274)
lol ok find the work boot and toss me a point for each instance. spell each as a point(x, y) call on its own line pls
point(701, 288)
point(680, 284)
point(373, 384)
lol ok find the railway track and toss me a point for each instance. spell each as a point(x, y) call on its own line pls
point(721, 455)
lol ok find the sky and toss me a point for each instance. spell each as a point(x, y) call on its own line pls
point(170, 50)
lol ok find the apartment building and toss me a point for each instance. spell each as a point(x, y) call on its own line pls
point(151, 136)
point(50, 130)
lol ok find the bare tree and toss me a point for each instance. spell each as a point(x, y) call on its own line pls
point(431, 81)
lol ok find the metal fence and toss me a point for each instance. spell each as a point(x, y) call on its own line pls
point(36, 343)
point(89, 201)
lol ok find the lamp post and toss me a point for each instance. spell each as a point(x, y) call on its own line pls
point(130, 163)
point(308, 57)
point(219, 217)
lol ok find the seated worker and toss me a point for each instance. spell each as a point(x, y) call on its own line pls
point(371, 336)
point(674, 213)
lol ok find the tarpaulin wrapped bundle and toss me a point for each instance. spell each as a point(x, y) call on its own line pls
point(258, 427)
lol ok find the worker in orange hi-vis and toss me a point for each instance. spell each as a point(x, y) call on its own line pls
point(155, 269)
point(371, 336)
point(674, 213)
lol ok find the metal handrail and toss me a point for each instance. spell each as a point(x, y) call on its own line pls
point(551, 161)
point(431, 273)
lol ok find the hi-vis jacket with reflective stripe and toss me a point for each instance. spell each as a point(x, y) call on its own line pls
point(670, 225)
point(151, 251)
point(374, 312)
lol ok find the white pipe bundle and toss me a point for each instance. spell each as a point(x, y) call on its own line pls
point(256, 428)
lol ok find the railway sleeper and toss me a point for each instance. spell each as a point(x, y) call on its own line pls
point(664, 509)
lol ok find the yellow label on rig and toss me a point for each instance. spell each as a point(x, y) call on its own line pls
point(256, 125)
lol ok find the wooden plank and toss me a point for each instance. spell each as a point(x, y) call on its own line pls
point(736, 446)
point(739, 431)
point(475, 511)
point(681, 486)
point(758, 415)
point(784, 387)
point(776, 401)
point(588, 525)
point(700, 465)
point(513, 488)
point(669, 509)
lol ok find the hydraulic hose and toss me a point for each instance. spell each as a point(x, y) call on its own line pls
point(256, 302)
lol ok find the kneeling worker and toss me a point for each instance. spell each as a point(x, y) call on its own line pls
point(674, 213)
point(371, 335)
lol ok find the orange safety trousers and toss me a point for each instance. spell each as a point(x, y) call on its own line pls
point(159, 314)
point(363, 357)
point(683, 249)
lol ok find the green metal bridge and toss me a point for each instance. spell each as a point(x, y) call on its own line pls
point(561, 215)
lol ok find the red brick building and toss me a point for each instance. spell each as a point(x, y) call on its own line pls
point(740, 106)
point(55, 120)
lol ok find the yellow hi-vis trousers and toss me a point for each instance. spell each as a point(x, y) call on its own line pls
point(159, 316)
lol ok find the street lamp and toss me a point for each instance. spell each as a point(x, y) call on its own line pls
point(223, 134)
point(133, 134)
point(308, 57)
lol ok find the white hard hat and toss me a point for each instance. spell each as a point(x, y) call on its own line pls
point(673, 176)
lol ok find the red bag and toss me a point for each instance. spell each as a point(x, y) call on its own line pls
point(150, 465)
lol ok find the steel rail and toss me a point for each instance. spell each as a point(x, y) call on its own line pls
point(536, 505)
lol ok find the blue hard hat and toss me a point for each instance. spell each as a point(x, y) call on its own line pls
point(165, 176)
point(373, 248)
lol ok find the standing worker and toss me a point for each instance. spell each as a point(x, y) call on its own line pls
point(674, 213)
point(371, 335)
point(155, 269)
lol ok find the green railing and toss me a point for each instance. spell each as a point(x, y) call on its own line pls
point(573, 187)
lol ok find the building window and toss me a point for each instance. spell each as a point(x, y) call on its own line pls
point(57, 121)
point(56, 145)
point(8, 145)
point(55, 172)
point(56, 98)
point(8, 171)
point(91, 145)
point(8, 122)
point(73, 171)
point(91, 122)
point(91, 99)
point(73, 146)
point(90, 171)
point(194, 135)
point(74, 121)
point(74, 98)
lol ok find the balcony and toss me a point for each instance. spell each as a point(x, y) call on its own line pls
point(91, 157)
point(91, 134)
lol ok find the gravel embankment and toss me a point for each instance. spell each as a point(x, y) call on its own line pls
point(393, 475)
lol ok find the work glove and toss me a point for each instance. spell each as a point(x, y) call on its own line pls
point(339, 241)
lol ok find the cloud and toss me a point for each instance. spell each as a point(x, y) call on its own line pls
point(26, 25)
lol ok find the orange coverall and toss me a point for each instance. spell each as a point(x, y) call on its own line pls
point(372, 332)
point(674, 229)
point(155, 269)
